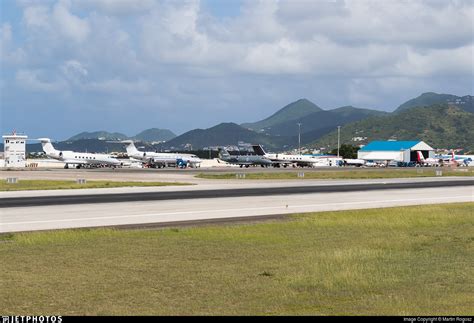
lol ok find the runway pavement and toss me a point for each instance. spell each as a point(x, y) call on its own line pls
point(200, 193)
point(312, 198)
point(209, 200)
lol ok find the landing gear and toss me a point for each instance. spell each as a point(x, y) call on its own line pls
point(241, 166)
point(247, 166)
point(78, 166)
point(66, 166)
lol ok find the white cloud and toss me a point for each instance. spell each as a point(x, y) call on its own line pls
point(352, 38)
point(455, 61)
point(284, 56)
point(117, 7)
point(35, 80)
point(74, 71)
point(5, 39)
point(118, 86)
point(36, 16)
point(361, 22)
point(9, 54)
point(56, 22)
point(312, 37)
point(69, 25)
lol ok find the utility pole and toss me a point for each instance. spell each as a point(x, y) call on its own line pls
point(299, 138)
point(338, 139)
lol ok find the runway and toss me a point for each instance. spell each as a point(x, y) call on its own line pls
point(225, 207)
point(199, 193)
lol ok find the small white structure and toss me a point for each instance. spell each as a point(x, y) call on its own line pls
point(14, 147)
point(327, 161)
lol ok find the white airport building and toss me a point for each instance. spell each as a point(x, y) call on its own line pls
point(14, 147)
point(402, 151)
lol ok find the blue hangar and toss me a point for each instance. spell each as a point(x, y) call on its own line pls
point(401, 151)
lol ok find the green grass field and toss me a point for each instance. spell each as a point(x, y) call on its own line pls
point(25, 185)
point(343, 174)
point(394, 261)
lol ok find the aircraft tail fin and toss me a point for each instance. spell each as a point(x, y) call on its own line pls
point(258, 150)
point(47, 146)
point(223, 153)
point(420, 156)
point(131, 149)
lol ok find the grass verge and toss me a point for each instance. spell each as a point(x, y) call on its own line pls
point(343, 174)
point(393, 261)
point(24, 185)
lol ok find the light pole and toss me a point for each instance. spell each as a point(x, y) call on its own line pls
point(299, 138)
point(338, 139)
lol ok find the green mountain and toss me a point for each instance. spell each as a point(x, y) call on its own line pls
point(318, 123)
point(149, 135)
point(439, 125)
point(102, 135)
point(291, 112)
point(439, 119)
point(350, 111)
point(154, 134)
point(222, 135)
point(466, 102)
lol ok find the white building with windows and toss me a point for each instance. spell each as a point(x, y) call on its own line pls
point(14, 147)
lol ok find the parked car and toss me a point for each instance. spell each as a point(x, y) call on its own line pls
point(393, 163)
point(370, 163)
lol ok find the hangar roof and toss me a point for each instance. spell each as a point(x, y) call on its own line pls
point(395, 146)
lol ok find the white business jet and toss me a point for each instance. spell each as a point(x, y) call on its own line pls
point(77, 158)
point(287, 160)
point(161, 159)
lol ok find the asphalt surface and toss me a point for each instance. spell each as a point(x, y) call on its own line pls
point(196, 211)
point(12, 202)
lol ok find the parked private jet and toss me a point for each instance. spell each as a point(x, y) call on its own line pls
point(298, 160)
point(244, 160)
point(161, 159)
point(77, 158)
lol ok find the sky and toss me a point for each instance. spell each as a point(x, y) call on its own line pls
point(69, 66)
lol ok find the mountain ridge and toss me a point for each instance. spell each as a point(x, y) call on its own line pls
point(292, 111)
point(148, 135)
point(440, 125)
point(226, 133)
point(465, 102)
point(280, 130)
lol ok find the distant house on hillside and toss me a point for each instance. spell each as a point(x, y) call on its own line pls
point(403, 151)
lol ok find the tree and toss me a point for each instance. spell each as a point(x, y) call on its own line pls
point(346, 151)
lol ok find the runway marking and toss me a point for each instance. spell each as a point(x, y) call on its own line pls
point(239, 209)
